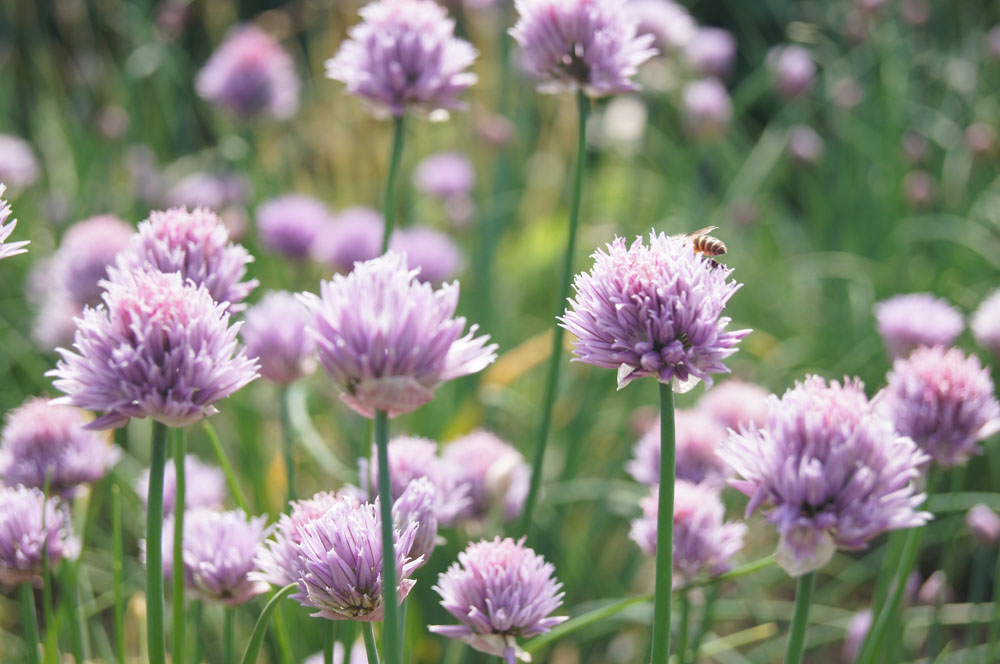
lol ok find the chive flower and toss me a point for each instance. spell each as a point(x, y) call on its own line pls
point(909, 321)
point(23, 537)
point(8, 249)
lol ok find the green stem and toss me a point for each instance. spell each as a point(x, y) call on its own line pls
point(29, 622)
point(198, 611)
point(706, 620)
point(285, 650)
point(552, 375)
point(369, 634)
point(287, 445)
point(664, 530)
point(228, 635)
point(328, 644)
point(180, 444)
point(995, 623)
point(118, 570)
point(51, 654)
point(77, 626)
point(155, 641)
point(227, 468)
point(682, 630)
point(390, 627)
point(800, 618)
point(390, 186)
point(260, 627)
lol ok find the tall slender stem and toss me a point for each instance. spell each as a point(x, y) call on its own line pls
point(664, 530)
point(197, 617)
point(682, 629)
point(706, 620)
point(369, 634)
point(994, 633)
point(228, 635)
point(118, 571)
point(390, 185)
point(800, 619)
point(51, 654)
point(552, 376)
point(390, 626)
point(155, 641)
point(180, 445)
point(29, 622)
point(287, 445)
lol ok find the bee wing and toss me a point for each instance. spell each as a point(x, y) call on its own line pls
point(701, 231)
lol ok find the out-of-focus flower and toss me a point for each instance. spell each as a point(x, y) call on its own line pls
point(835, 472)
point(984, 523)
point(156, 348)
point(654, 311)
point(847, 92)
point(354, 236)
point(794, 68)
point(805, 146)
point(215, 191)
point(993, 42)
point(144, 174)
point(418, 506)
point(703, 543)
point(499, 590)
point(581, 44)
point(204, 485)
point(668, 22)
point(42, 440)
point(18, 166)
point(8, 249)
point(55, 322)
point(219, 554)
point(944, 401)
point(697, 436)
point(249, 75)
point(85, 252)
point(497, 130)
point(274, 331)
point(388, 340)
point(624, 121)
point(23, 511)
point(495, 473)
point(935, 590)
point(914, 147)
point(906, 322)
point(445, 175)
point(985, 323)
point(854, 638)
point(290, 225)
point(980, 138)
point(711, 52)
point(919, 188)
point(432, 252)
point(707, 109)
point(404, 55)
point(735, 404)
point(196, 245)
point(915, 12)
point(113, 122)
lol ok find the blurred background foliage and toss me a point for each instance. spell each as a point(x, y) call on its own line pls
point(903, 196)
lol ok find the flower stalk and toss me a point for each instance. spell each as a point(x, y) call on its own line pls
point(29, 622)
point(800, 618)
point(177, 603)
point(390, 626)
point(369, 635)
point(662, 595)
point(287, 441)
point(156, 642)
point(398, 132)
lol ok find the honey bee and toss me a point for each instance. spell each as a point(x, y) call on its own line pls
point(705, 244)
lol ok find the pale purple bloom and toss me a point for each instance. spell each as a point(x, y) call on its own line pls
point(944, 401)
point(250, 74)
point(274, 331)
point(703, 543)
point(581, 44)
point(215, 191)
point(669, 22)
point(404, 55)
point(156, 348)
point(23, 511)
point(908, 321)
point(697, 436)
point(388, 340)
point(204, 485)
point(55, 322)
point(707, 108)
point(18, 166)
point(42, 440)
point(290, 225)
point(418, 506)
point(735, 404)
point(935, 590)
point(495, 473)
point(354, 236)
point(499, 590)
point(805, 146)
point(993, 42)
point(984, 523)
point(985, 323)
point(794, 68)
point(711, 52)
point(919, 188)
point(195, 244)
point(854, 638)
point(219, 554)
point(445, 175)
point(278, 559)
point(85, 252)
point(835, 472)
point(654, 311)
point(434, 253)
point(8, 249)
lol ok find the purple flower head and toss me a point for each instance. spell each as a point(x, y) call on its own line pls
point(857, 630)
point(250, 74)
point(499, 590)
point(985, 323)
point(711, 52)
point(411, 458)
point(495, 473)
point(404, 55)
point(204, 486)
point(703, 544)
point(29, 524)
point(388, 340)
point(432, 252)
point(215, 191)
point(671, 25)
point(418, 506)
point(794, 69)
point(354, 236)
point(735, 404)
point(8, 249)
point(588, 44)
point(906, 322)
point(219, 554)
point(707, 108)
point(195, 244)
point(697, 437)
point(445, 175)
point(805, 146)
point(156, 348)
point(653, 311)
point(18, 166)
point(935, 590)
point(835, 472)
point(42, 439)
point(278, 559)
point(984, 524)
point(290, 225)
point(274, 331)
point(85, 252)
point(944, 401)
